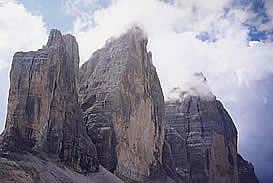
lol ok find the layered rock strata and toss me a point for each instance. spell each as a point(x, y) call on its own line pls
point(43, 111)
point(27, 168)
point(119, 120)
point(246, 171)
point(122, 100)
point(175, 157)
point(202, 137)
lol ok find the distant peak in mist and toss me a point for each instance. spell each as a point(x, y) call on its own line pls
point(196, 86)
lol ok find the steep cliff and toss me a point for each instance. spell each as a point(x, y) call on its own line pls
point(246, 171)
point(123, 104)
point(207, 135)
point(52, 134)
point(43, 111)
point(28, 168)
point(175, 156)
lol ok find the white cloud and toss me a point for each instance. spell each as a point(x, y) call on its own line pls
point(269, 8)
point(232, 64)
point(83, 11)
point(228, 63)
point(19, 31)
point(74, 7)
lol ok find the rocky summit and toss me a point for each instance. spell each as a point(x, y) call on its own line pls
point(44, 116)
point(123, 103)
point(206, 133)
point(107, 122)
point(43, 110)
point(201, 138)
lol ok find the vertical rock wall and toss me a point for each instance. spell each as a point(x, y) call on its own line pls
point(175, 156)
point(121, 109)
point(123, 105)
point(246, 171)
point(43, 110)
point(210, 135)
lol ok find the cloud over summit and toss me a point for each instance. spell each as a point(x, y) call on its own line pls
point(186, 37)
point(229, 41)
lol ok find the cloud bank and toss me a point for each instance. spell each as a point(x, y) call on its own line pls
point(187, 37)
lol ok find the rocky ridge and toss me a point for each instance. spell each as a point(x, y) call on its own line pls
point(123, 105)
point(71, 124)
point(246, 171)
point(201, 139)
point(43, 111)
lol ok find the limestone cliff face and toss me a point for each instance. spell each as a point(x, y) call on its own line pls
point(175, 156)
point(27, 168)
point(123, 105)
point(204, 129)
point(43, 110)
point(246, 171)
point(119, 120)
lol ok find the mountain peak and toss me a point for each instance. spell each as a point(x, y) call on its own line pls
point(137, 32)
point(55, 38)
point(197, 86)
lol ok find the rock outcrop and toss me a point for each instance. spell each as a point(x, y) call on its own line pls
point(246, 171)
point(175, 156)
point(202, 137)
point(27, 168)
point(122, 100)
point(43, 111)
point(66, 124)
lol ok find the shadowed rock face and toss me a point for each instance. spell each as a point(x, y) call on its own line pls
point(43, 110)
point(122, 110)
point(26, 168)
point(202, 139)
point(246, 171)
point(175, 157)
point(123, 104)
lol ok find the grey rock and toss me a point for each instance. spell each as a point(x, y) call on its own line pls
point(246, 171)
point(27, 168)
point(118, 120)
point(203, 138)
point(175, 156)
point(43, 111)
point(123, 103)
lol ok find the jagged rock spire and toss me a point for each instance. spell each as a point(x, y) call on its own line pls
point(43, 110)
point(123, 104)
point(55, 38)
point(208, 135)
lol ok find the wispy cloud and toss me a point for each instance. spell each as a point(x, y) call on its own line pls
point(19, 30)
point(174, 31)
point(214, 37)
point(83, 11)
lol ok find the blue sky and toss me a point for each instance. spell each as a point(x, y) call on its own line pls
point(52, 11)
point(55, 15)
point(230, 41)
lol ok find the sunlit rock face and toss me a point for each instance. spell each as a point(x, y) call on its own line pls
point(63, 121)
point(203, 128)
point(122, 100)
point(43, 110)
